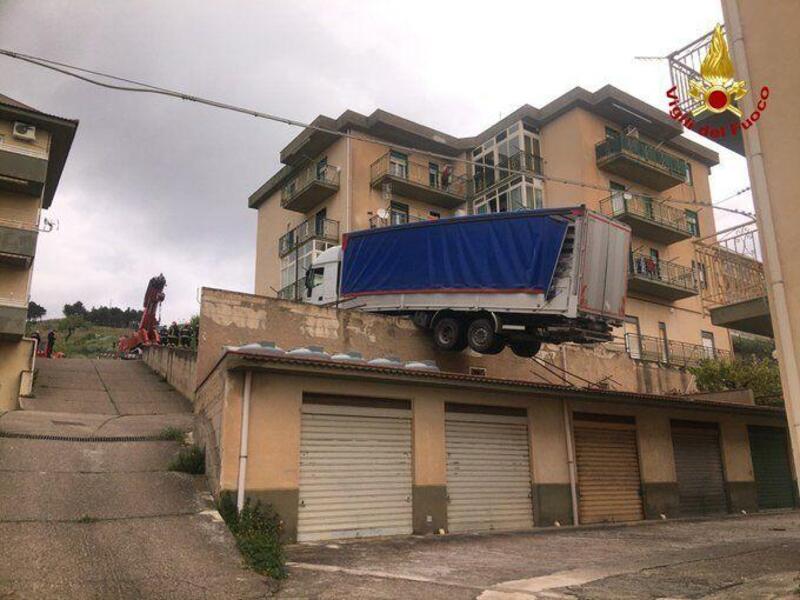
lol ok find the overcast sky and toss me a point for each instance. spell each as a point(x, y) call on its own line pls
point(159, 185)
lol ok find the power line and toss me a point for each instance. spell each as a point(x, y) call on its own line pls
point(146, 88)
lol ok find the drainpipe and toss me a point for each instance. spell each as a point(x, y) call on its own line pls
point(248, 386)
point(769, 246)
point(573, 486)
point(348, 205)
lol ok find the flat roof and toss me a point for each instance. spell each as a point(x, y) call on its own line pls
point(62, 131)
point(238, 360)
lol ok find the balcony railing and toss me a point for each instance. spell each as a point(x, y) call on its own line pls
point(661, 278)
point(488, 176)
point(633, 159)
point(650, 219)
point(310, 187)
point(321, 229)
point(670, 352)
point(376, 221)
point(417, 181)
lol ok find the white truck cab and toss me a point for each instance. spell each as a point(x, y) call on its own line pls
point(322, 278)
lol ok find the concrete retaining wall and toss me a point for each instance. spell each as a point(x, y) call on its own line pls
point(176, 365)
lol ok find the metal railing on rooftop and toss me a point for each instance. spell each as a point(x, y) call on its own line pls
point(313, 173)
point(670, 352)
point(322, 229)
point(644, 265)
point(643, 151)
point(645, 207)
point(454, 185)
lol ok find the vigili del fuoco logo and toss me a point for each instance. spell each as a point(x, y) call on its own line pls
point(716, 92)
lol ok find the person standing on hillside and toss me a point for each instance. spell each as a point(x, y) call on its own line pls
point(51, 342)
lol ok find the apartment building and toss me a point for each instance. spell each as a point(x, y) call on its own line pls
point(606, 150)
point(33, 150)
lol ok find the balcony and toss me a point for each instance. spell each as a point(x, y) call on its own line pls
point(648, 218)
point(638, 161)
point(21, 172)
point(418, 182)
point(376, 221)
point(660, 278)
point(17, 244)
point(13, 316)
point(670, 352)
point(326, 230)
point(311, 186)
point(487, 177)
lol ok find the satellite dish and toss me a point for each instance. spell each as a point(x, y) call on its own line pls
point(383, 213)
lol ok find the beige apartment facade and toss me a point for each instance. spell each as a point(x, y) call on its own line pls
point(33, 150)
point(606, 149)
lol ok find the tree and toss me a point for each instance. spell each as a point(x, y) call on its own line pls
point(745, 346)
point(70, 324)
point(35, 311)
point(76, 308)
point(760, 375)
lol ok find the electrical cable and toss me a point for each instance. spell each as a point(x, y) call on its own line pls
point(140, 87)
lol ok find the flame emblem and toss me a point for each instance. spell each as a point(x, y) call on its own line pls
point(718, 89)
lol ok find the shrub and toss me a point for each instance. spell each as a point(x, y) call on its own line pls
point(189, 460)
point(173, 434)
point(257, 529)
point(760, 375)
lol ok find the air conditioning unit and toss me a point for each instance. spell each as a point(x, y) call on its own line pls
point(23, 131)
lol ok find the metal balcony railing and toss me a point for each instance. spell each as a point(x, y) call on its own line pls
point(490, 175)
point(684, 67)
point(314, 173)
point(621, 204)
point(418, 175)
point(670, 273)
point(647, 153)
point(731, 270)
point(376, 221)
point(670, 352)
point(321, 229)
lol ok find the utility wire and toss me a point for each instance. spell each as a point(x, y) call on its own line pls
point(146, 88)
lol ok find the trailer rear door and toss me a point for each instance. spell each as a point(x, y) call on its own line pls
point(604, 266)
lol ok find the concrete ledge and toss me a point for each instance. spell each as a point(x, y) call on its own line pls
point(552, 502)
point(12, 321)
point(661, 498)
point(429, 501)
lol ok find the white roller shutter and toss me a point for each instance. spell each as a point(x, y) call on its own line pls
point(488, 472)
point(355, 472)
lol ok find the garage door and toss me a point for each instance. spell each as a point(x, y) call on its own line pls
point(607, 460)
point(355, 470)
point(488, 470)
point(770, 452)
point(698, 463)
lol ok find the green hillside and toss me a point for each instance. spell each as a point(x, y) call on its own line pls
point(85, 340)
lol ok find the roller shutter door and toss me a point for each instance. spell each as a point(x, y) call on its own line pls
point(488, 472)
point(607, 460)
point(770, 452)
point(698, 463)
point(355, 471)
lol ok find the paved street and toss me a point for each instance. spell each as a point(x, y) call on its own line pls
point(105, 519)
point(738, 557)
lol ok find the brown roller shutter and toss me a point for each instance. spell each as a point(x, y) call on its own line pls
point(698, 463)
point(607, 459)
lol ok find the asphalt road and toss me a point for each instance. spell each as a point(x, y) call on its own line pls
point(106, 519)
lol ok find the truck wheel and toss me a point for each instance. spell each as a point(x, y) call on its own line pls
point(526, 349)
point(448, 334)
point(482, 337)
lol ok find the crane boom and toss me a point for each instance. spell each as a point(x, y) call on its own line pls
point(147, 333)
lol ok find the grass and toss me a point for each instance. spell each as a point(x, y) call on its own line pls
point(87, 519)
point(189, 460)
point(89, 341)
point(173, 434)
point(257, 529)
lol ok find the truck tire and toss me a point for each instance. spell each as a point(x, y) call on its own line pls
point(449, 334)
point(482, 337)
point(526, 349)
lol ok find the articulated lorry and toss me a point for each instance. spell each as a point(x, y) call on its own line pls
point(485, 282)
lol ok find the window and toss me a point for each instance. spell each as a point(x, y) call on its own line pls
point(322, 168)
point(707, 338)
point(663, 341)
point(433, 175)
point(398, 164)
point(633, 341)
point(319, 221)
point(699, 270)
point(693, 222)
point(435, 215)
point(398, 213)
point(538, 198)
point(612, 134)
point(689, 178)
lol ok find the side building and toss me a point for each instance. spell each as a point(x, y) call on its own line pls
point(33, 150)
point(606, 150)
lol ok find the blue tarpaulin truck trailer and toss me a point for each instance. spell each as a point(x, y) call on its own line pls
point(486, 281)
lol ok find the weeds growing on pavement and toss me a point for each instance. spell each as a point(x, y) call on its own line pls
point(257, 529)
point(173, 434)
point(189, 460)
point(87, 519)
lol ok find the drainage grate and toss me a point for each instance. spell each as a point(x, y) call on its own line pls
point(83, 438)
